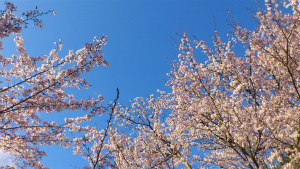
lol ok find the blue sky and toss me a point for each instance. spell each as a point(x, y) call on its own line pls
point(139, 44)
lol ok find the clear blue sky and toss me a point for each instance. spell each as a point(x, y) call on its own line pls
point(139, 44)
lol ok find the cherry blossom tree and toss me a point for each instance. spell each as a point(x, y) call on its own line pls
point(233, 111)
point(32, 85)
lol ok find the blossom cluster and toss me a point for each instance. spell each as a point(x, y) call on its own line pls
point(33, 85)
point(231, 111)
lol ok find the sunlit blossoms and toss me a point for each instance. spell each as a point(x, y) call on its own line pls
point(233, 111)
point(33, 85)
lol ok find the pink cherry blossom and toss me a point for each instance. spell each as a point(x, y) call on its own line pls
point(40, 84)
point(231, 111)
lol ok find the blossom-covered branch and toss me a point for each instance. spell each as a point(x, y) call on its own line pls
point(33, 85)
